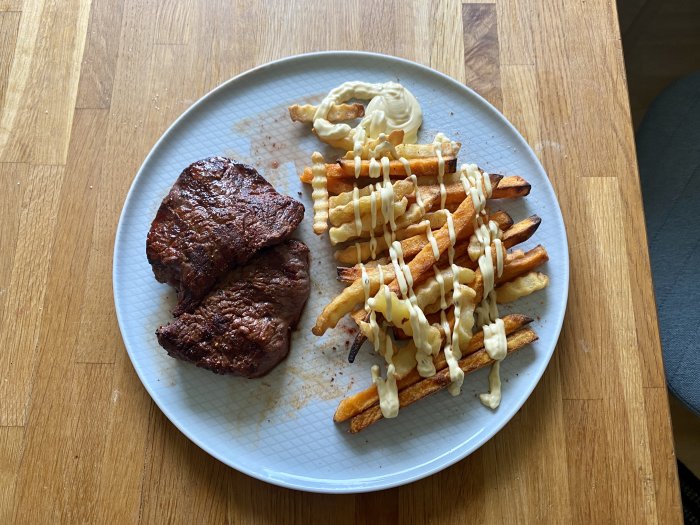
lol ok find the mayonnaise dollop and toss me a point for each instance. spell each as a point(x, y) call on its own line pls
point(391, 107)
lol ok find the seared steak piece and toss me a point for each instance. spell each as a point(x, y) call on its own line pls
point(243, 326)
point(217, 216)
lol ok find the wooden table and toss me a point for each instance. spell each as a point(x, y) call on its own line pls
point(86, 89)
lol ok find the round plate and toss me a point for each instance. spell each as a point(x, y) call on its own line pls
point(279, 428)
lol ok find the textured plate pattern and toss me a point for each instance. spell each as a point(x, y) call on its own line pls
point(279, 428)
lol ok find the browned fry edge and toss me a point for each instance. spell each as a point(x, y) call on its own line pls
point(433, 384)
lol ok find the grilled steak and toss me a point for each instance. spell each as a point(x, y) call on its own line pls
point(217, 216)
point(243, 326)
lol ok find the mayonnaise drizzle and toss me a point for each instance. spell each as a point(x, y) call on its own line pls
point(485, 238)
point(391, 108)
point(356, 209)
point(437, 145)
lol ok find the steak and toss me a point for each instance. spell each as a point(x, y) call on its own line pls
point(243, 326)
point(218, 214)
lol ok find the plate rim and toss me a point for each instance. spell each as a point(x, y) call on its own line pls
point(446, 460)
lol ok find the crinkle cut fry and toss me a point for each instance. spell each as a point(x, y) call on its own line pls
point(356, 403)
point(337, 113)
point(440, 380)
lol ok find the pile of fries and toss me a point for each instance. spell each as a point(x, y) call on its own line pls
point(402, 218)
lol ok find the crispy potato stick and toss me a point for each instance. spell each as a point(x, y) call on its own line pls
point(344, 198)
point(417, 151)
point(319, 194)
point(346, 212)
point(438, 218)
point(514, 187)
point(361, 401)
point(337, 113)
point(402, 318)
point(333, 171)
point(422, 151)
point(348, 230)
point(347, 196)
point(350, 297)
point(433, 384)
point(349, 275)
point(338, 186)
point(509, 188)
point(412, 215)
point(512, 269)
point(427, 166)
point(348, 255)
point(521, 231)
point(521, 286)
point(507, 293)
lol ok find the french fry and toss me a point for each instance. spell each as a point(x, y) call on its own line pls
point(347, 231)
point(361, 401)
point(346, 213)
point(333, 171)
point(422, 151)
point(438, 218)
point(509, 188)
point(521, 231)
point(423, 166)
point(350, 274)
point(337, 112)
point(512, 269)
point(348, 299)
point(346, 197)
point(338, 186)
point(512, 187)
point(440, 380)
point(418, 151)
point(319, 194)
point(348, 255)
point(521, 287)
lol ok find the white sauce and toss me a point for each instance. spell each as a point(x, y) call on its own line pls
point(391, 107)
point(388, 391)
point(432, 241)
point(356, 208)
point(365, 283)
point(495, 341)
point(493, 398)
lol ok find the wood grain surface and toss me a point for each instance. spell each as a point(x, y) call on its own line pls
point(86, 88)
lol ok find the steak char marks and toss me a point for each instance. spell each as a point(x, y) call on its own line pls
point(217, 216)
point(243, 326)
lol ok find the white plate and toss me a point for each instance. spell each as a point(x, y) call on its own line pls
point(279, 428)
